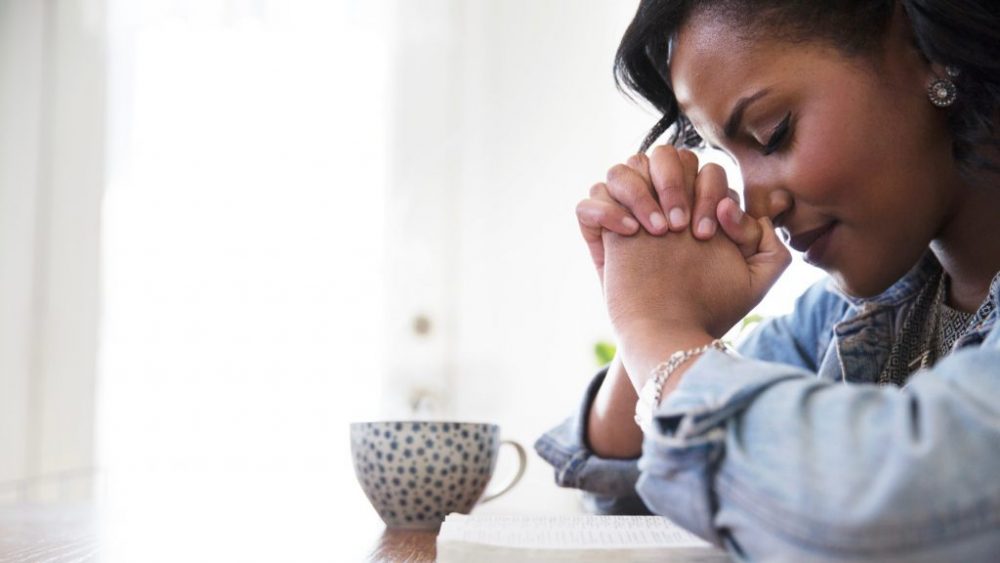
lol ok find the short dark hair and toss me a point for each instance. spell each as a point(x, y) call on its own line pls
point(961, 33)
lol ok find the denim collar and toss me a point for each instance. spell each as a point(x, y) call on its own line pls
point(864, 334)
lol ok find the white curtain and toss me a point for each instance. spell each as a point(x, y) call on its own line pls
point(243, 249)
point(52, 148)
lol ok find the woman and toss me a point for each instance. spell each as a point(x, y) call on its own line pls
point(866, 424)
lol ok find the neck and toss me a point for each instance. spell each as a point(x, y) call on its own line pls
point(968, 246)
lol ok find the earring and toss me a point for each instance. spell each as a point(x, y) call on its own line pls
point(943, 92)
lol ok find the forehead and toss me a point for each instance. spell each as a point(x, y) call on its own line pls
point(713, 64)
point(697, 52)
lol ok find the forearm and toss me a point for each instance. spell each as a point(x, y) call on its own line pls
point(611, 428)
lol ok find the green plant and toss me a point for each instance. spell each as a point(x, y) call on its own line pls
point(604, 352)
point(748, 322)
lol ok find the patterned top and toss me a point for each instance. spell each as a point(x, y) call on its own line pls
point(929, 332)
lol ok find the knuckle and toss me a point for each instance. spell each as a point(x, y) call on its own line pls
point(587, 230)
point(712, 179)
point(663, 151)
point(705, 205)
point(617, 172)
point(674, 193)
point(638, 161)
point(668, 173)
point(688, 157)
point(713, 169)
point(631, 191)
point(588, 213)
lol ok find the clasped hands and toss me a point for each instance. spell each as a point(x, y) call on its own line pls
point(673, 249)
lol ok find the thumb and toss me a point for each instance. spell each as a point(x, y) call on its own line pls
point(770, 260)
point(739, 227)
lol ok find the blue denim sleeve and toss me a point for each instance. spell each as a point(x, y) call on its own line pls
point(775, 464)
point(608, 484)
point(800, 338)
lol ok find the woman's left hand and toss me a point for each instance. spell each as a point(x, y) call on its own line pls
point(674, 282)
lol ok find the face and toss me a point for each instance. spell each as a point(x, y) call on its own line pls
point(846, 155)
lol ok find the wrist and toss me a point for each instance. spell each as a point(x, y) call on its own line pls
point(639, 330)
point(664, 378)
point(646, 346)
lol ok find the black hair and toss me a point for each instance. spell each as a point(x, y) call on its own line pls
point(961, 33)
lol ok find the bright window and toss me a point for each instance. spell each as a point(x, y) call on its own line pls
point(243, 260)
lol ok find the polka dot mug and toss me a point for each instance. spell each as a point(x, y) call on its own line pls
point(417, 472)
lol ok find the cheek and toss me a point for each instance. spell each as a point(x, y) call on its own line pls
point(829, 169)
point(838, 161)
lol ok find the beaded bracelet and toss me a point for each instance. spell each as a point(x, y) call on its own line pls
point(652, 391)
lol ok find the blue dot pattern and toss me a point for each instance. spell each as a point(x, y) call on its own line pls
point(440, 475)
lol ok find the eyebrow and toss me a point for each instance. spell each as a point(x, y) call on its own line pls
point(733, 123)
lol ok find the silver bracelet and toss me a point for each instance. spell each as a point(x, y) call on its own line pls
point(652, 391)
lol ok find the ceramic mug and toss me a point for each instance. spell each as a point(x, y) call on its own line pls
point(417, 472)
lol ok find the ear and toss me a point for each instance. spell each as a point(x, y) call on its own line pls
point(902, 54)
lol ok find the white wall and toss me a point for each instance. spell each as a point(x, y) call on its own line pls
point(51, 146)
point(505, 115)
point(427, 150)
point(21, 56)
point(545, 123)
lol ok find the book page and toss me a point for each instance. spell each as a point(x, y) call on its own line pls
point(568, 532)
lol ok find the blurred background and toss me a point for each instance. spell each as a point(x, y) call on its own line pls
point(230, 227)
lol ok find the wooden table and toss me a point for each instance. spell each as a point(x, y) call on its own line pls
point(404, 545)
point(71, 533)
point(227, 517)
point(283, 520)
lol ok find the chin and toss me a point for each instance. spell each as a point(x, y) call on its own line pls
point(862, 287)
point(871, 272)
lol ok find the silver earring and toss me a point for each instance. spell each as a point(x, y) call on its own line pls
point(942, 92)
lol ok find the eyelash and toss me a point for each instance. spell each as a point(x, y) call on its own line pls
point(778, 136)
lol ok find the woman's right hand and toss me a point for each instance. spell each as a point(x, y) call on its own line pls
point(654, 193)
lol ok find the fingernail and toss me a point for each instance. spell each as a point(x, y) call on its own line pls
point(678, 219)
point(630, 223)
point(706, 227)
point(657, 219)
point(735, 213)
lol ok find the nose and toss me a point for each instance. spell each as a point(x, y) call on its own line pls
point(766, 198)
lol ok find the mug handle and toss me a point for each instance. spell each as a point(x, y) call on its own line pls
point(522, 464)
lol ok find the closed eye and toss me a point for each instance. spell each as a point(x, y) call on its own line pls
point(778, 135)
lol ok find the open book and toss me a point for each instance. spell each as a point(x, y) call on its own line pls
point(490, 538)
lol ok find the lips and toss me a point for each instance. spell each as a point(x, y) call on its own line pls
point(802, 241)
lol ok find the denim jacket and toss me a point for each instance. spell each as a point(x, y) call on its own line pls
point(790, 451)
